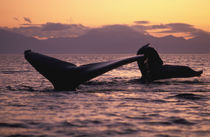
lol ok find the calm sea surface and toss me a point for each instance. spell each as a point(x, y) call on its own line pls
point(114, 104)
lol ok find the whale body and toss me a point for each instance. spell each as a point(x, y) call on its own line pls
point(67, 76)
point(152, 68)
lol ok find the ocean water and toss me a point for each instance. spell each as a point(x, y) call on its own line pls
point(114, 104)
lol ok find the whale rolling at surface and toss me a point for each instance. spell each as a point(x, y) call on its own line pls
point(67, 76)
point(152, 67)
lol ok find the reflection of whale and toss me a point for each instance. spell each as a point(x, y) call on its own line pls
point(67, 76)
point(152, 68)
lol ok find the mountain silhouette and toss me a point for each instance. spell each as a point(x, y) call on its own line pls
point(108, 39)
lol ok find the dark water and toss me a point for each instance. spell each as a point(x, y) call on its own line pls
point(114, 104)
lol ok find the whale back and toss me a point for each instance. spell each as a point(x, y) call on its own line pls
point(176, 71)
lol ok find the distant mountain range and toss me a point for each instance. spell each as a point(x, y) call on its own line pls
point(115, 40)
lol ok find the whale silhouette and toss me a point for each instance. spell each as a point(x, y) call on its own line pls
point(67, 76)
point(152, 68)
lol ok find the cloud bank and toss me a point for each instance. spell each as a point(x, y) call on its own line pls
point(61, 30)
point(107, 39)
point(187, 30)
point(50, 30)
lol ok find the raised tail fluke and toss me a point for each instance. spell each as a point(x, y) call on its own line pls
point(67, 76)
point(60, 73)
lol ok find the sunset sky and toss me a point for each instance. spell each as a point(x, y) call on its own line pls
point(95, 13)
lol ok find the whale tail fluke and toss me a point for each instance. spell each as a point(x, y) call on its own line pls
point(53, 69)
point(67, 76)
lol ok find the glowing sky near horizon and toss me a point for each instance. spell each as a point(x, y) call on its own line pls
point(103, 12)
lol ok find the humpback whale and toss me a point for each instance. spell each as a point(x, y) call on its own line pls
point(67, 76)
point(152, 68)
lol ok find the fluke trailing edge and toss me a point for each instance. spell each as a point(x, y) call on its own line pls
point(67, 76)
point(152, 67)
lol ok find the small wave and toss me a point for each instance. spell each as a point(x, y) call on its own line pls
point(169, 82)
point(22, 135)
point(81, 123)
point(176, 81)
point(195, 81)
point(138, 99)
point(159, 123)
point(121, 128)
point(126, 131)
point(28, 88)
point(159, 101)
point(189, 96)
point(69, 124)
point(12, 125)
point(98, 83)
point(181, 121)
point(172, 121)
point(162, 135)
point(138, 117)
point(15, 71)
point(20, 88)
